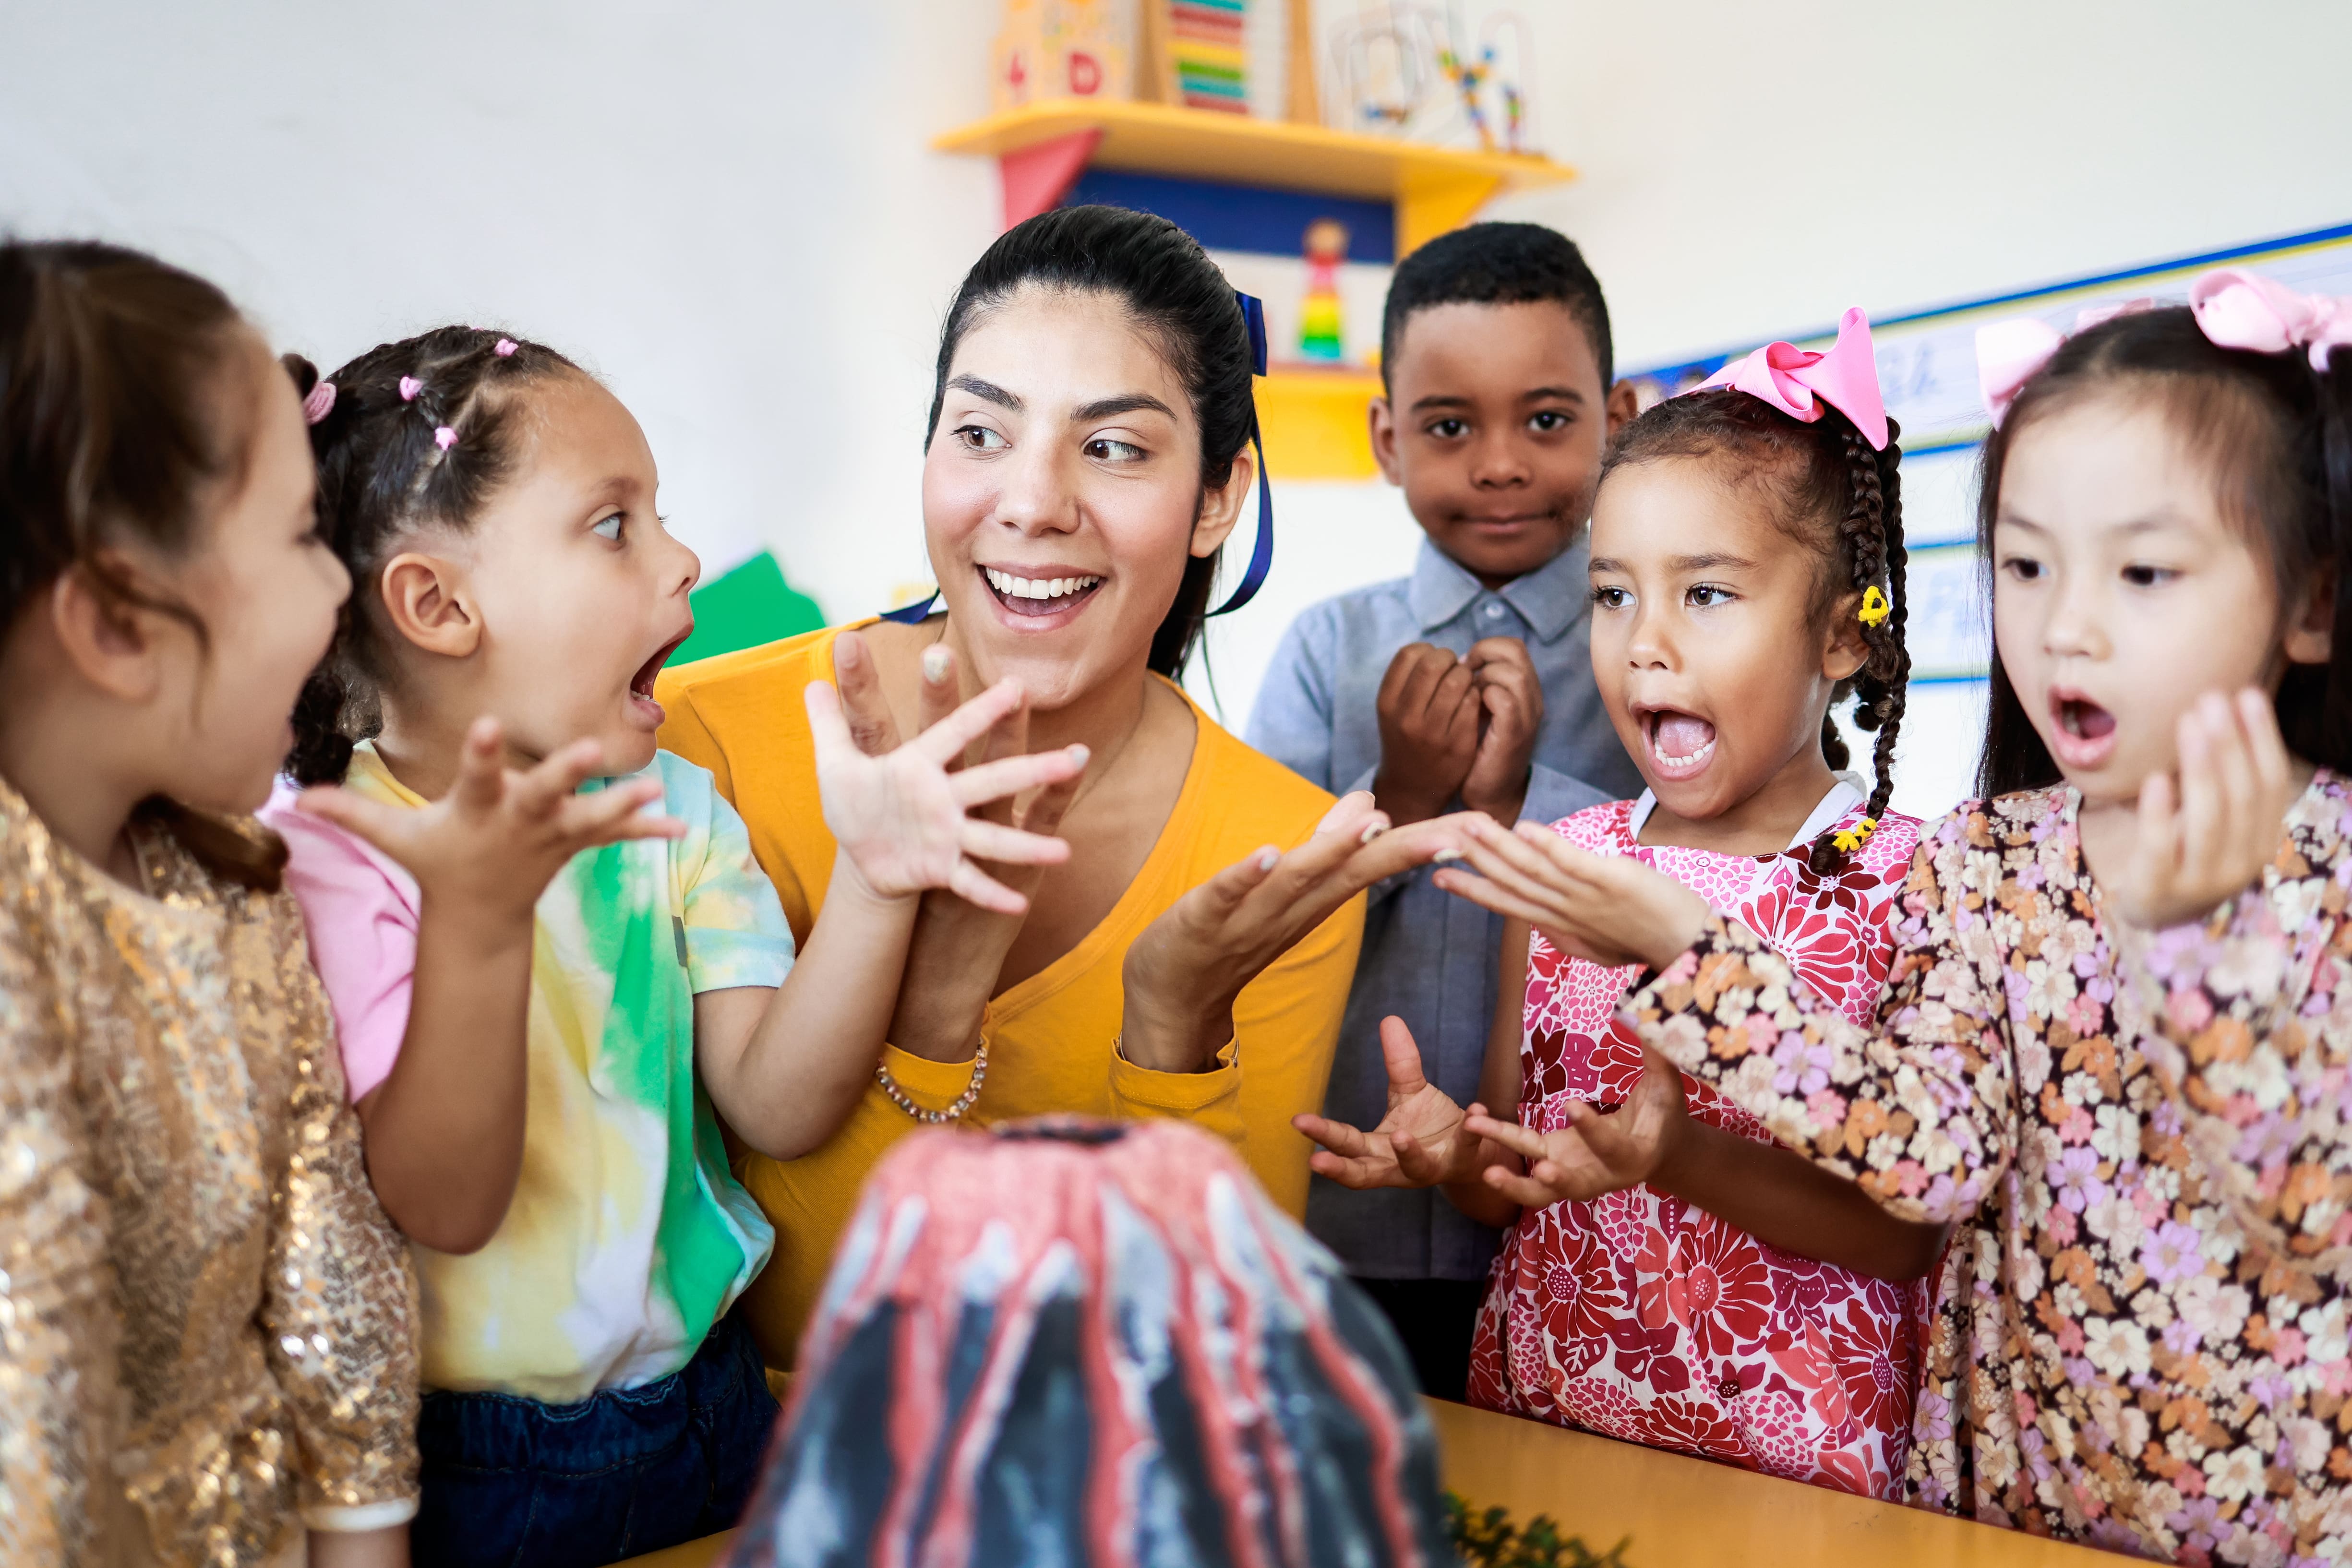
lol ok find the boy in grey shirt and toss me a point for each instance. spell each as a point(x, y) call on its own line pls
point(1470, 681)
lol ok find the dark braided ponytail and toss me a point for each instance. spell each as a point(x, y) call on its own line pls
point(416, 435)
point(1841, 500)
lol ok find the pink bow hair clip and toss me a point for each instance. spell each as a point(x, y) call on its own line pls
point(504, 348)
point(409, 387)
point(318, 403)
point(2010, 353)
point(1797, 381)
point(2234, 310)
point(2246, 311)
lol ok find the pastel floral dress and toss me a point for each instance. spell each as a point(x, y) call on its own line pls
point(2140, 1329)
point(1640, 1317)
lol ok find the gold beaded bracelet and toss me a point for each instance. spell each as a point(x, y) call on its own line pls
point(963, 1102)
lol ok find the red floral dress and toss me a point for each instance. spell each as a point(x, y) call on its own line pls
point(1640, 1317)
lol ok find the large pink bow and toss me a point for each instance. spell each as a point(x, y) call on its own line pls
point(2246, 311)
point(2235, 310)
point(2010, 353)
point(1790, 378)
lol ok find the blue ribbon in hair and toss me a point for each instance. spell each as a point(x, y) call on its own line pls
point(1261, 560)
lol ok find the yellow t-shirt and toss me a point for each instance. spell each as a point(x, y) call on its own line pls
point(1049, 1038)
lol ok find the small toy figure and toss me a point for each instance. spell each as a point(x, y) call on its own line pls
point(1321, 337)
point(1467, 79)
point(1084, 1342)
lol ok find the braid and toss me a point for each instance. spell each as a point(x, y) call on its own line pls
point(1869, 540)
point(391, 464)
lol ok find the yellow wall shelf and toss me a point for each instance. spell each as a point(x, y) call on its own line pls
point(1316, 423)
point(1435, 188)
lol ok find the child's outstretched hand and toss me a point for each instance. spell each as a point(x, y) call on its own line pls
point(1420, 1142)
point(905, 819)
point(1600, 1152)
point(1609, 909)
point(497, 839)
point(2208, 837)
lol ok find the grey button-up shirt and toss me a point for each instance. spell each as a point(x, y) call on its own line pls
point(1428, 957)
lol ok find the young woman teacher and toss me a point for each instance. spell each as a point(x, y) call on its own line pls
point(1088, 453)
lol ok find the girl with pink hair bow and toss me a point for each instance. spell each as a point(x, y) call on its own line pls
point(1668, 1277)
point(2116, 1032)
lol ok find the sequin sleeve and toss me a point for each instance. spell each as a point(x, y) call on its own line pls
point(2247, 1020)
point(58, 1406)
point(340, 1318)
point(1918, 1109)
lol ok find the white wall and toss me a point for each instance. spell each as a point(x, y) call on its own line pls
point(730, 212)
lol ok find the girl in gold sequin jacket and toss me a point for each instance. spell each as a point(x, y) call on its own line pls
point(208, 1326)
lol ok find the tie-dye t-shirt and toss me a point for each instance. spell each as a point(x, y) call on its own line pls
point(627, 1238)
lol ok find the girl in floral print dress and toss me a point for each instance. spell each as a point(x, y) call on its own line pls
point(1747, 574)
point(2114, 1042)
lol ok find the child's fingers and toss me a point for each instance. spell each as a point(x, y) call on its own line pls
point(1537, 889)
point(2155, 848)
point(831, 735)
point(1339, 1137)
point(2233, 761)
point(2259, 718)
point(995, 781)
point(1524, 1141)
point(1357, 1175)
point(481, 771)
point(872, 726)
point(1525, 1191)
point(1416, 1160)
point(2200, 787)
point(977, 888)
point(609, 814)
point(1401, 1056)
point(945, 741)
point(986, 841)
point(1606, 1137)
point(383, 826)
point(553, 781)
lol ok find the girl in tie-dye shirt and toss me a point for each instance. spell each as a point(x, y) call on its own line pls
point(540, 1044)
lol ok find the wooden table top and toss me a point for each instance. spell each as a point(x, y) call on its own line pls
point(1675, 1509)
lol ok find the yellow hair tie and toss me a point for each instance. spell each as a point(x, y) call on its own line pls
point(1849, 840)
point(1875, 608)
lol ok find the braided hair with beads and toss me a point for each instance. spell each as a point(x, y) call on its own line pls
point(413, 435)
point(1831, 491)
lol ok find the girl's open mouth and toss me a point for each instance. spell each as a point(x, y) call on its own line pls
point(1681, 744)
point(1040, 596)
point(2082, 733)
point(641, 686)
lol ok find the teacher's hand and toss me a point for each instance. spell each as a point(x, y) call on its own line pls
point(957, 950)
point(1184, 972)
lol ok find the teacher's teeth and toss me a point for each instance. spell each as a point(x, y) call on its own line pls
point(1012, 587)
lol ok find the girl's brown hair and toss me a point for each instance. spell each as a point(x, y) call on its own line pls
point(1829, 490)
point(387, 469)
point(113, 435)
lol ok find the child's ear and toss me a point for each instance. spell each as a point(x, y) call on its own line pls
point(112, 645)
point(2311, 636)
point(1848, 650)
point(1221, 509)
point(426, 600)
point(1383, 420)
point(1623, 404)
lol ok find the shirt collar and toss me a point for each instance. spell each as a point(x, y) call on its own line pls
point(1551, 598)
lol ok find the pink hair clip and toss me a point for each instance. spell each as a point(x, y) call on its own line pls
point(505, 347)
point(409, 387)
point(319, 404)
point(445, 438)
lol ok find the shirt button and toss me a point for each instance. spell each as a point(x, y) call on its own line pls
point(1493, 610)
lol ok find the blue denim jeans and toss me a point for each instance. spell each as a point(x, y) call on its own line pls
point(512, 1483)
